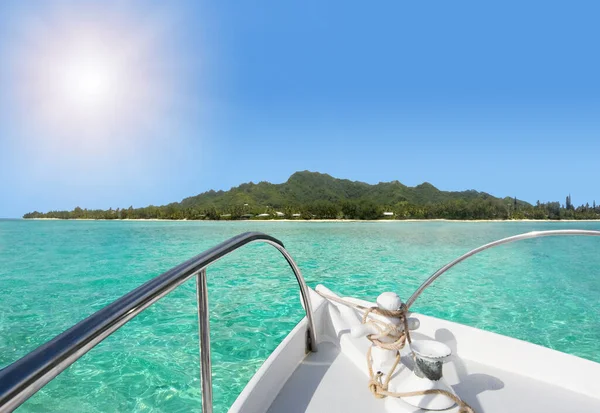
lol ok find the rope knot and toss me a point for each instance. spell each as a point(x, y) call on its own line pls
point(378, 385)
point(399, 334)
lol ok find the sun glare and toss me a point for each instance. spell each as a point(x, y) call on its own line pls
point(88, 82)
point(91, 79)
point(83, 78)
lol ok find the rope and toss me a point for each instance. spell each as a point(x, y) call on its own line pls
point(377, 386)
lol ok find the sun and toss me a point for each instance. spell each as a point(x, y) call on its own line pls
point(88, 76)
point(90, 81)
point(92, 84)
point(87, 83)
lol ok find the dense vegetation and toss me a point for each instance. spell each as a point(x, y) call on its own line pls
point(310, 195)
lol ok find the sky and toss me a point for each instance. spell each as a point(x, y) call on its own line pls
point(113, 103)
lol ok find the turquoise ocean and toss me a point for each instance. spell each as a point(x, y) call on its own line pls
point(55, 273)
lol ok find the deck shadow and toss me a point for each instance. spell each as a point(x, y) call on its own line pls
point(469, 385)
point(307, 377)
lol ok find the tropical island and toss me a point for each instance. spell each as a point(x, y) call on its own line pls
point(314, 196)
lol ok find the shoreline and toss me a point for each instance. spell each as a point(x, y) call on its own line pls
point(313, 220)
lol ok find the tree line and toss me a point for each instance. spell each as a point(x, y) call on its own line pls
point(459, 209)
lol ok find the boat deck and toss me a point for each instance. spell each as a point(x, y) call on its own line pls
point(329, 381)
point(490, 372)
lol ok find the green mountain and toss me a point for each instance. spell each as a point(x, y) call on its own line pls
point(309, 187)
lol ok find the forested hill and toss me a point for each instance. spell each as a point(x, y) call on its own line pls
point(308, 187)
point(312, 195)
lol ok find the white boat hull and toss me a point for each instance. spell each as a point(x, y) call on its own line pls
point(492, 373)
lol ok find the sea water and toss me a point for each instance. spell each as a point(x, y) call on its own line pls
point(55, 273)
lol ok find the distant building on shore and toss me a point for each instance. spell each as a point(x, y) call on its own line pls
point(388, 214)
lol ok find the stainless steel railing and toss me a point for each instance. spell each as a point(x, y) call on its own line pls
point(527, 235)
point(26, 376)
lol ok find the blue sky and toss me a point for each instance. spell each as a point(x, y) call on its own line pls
point(502, 98)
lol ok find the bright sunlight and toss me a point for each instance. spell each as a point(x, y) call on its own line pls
point(86, 78)
point(89, 81)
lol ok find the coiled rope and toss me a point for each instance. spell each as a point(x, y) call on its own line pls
point(377, 386)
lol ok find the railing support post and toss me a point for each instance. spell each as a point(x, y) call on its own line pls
point(204, 333)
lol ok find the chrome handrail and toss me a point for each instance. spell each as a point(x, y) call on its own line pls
point(527, 235)
point(23, 378)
